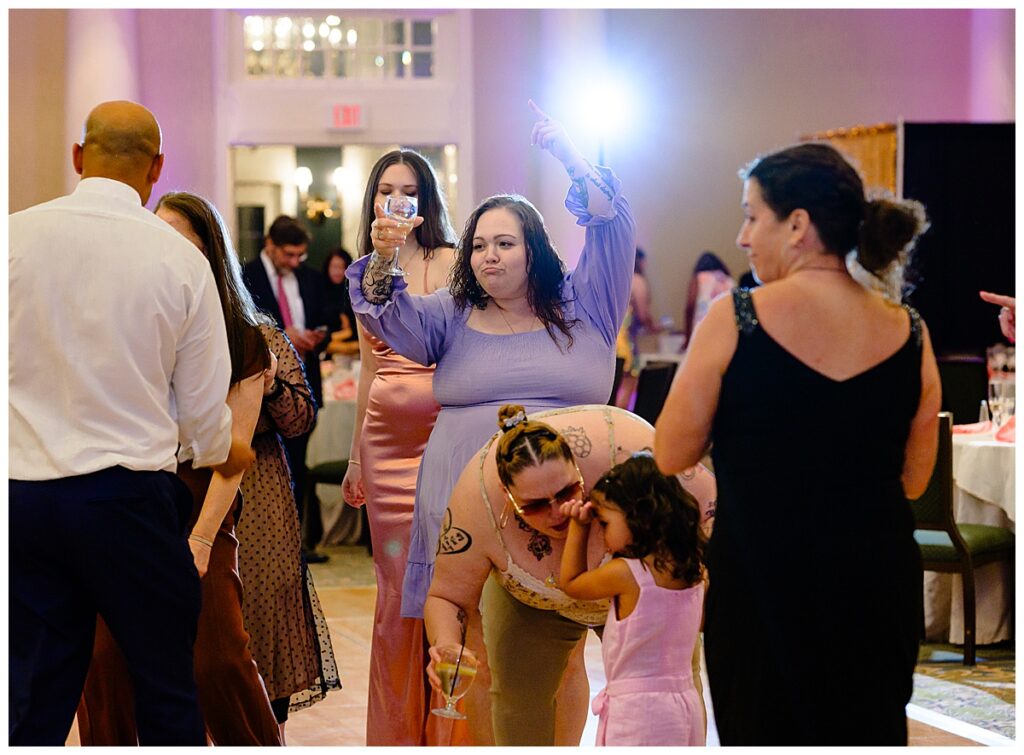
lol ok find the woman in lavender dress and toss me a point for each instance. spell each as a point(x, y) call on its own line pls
point(513, 327)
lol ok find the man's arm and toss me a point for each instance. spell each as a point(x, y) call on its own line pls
point(202, 374)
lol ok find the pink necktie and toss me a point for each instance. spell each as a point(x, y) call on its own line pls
point(282, 302)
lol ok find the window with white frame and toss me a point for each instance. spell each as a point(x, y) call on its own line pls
point(330, 46)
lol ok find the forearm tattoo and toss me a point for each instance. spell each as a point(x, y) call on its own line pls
point(581, 186)
point(592, 177)
point(578, 441)
point(540, 544)
point(453, 540)
point(376, 281)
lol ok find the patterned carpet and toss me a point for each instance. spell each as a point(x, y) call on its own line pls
point(983, 695)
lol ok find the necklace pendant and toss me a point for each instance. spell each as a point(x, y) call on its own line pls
point(550, 581)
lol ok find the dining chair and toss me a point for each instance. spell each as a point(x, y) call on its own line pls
point(964, 379)
point(652, 389)
point(956, 548)
point(333, 473)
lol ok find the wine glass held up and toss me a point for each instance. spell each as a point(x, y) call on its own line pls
point(401, 209)
point(456, 670)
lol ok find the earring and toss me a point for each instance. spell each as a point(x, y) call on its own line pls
point(503, 519)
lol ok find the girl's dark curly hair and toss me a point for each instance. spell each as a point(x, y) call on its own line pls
point(545, 270)
point(663, 519)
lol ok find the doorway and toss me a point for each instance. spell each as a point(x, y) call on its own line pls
point(322, 186)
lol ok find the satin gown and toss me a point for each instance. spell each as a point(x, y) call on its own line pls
point(400, 414)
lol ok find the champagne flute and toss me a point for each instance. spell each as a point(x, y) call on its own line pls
point(457, 672)
point(996, 401)
point(401, 208)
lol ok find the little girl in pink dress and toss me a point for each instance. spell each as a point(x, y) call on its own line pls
point(652, 527)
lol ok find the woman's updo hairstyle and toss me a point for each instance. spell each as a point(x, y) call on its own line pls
point(815, 177)
point(525, 443)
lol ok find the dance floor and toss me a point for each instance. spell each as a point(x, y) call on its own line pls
point(346, 588)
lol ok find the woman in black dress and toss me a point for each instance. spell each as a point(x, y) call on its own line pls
point(820, 397)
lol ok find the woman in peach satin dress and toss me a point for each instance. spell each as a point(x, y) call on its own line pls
point(395, 413)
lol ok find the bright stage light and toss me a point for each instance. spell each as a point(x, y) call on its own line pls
point(605, 108)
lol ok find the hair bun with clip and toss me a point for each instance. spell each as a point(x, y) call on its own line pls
point(642, 453)
point(509, 422)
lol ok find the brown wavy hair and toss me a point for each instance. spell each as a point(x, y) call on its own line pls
point(528, 443)
point(240, 313)
point(545, 270)
point(663, 519)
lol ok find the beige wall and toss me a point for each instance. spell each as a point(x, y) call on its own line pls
point(745, 82)
point(37, 149)
point(713, 89)
point(175, 71)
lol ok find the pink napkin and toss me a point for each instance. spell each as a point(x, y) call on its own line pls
point(345, 390)
point(975, 427)
point(1008, 432)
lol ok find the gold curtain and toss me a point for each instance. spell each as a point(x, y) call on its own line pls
point(871, 149)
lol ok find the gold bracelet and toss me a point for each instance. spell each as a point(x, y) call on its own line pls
point(201, 539)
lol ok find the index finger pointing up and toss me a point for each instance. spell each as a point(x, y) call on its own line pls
point(537, 110)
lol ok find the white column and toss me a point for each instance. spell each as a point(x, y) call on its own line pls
point(992, 65)
point(102, 65)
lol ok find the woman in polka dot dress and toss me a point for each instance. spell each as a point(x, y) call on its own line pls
point(289, 635)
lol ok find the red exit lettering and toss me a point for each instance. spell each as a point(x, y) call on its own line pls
point(347, 116)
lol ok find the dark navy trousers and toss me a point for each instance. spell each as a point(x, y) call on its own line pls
point(110, 543)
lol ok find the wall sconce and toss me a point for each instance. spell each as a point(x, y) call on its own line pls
point(318, 209)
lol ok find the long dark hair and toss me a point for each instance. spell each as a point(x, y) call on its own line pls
point(436, 230)
point(338, 251)
point(707, 261)
point(545, 270)
point(663, 519)
point(816, 178)
point(240, 313)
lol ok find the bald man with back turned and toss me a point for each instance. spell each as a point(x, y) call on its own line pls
point(118, 354)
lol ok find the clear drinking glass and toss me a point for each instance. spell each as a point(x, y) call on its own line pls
point(1001, 399)
point(402, 209)
point(457, 672)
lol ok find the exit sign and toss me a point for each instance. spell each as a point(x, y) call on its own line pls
point(347, 117)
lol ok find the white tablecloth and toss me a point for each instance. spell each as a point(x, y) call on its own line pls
point(984, 478)
point(331, 441)
point(983, 470)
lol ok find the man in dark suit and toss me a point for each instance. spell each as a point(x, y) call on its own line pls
point(295, 296)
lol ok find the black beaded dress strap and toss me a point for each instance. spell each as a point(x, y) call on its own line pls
point(915, 325)
point(746, 316)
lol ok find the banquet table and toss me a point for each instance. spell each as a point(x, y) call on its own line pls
point(330, 441)
point(984, 488)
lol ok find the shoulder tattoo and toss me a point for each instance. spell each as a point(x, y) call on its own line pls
point(453, 540)
point(579, 442)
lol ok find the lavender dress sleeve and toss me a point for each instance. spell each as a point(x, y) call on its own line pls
point(414, 326)
point(601, 281)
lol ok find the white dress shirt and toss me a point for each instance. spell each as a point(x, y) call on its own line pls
point(117, 348)
point(291, 290)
